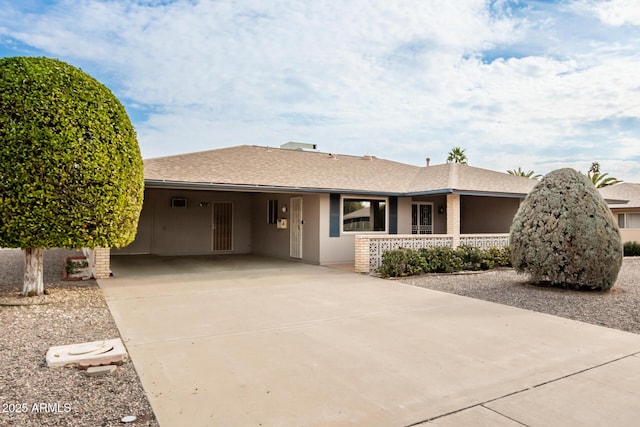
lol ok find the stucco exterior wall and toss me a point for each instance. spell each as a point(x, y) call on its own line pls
point(404, 215)
point(166, 230)
point(311, 228)
point(487, 214)
point(268, 240)
point(627, 234)
point(439, 219)
point(333, 250)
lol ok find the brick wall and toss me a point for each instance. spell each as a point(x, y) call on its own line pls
point(453, 218)
point(99, 262)
point(102, 263)
point(362, 254)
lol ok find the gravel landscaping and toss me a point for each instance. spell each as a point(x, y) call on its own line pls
point(32, 394)
point(617, 308)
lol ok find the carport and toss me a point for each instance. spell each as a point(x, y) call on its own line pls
point(247, 340)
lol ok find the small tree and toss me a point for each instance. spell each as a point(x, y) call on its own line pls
point(70, 166)
point(456, 155)
point(519, 172)
point(600, 179)
point(565, 234)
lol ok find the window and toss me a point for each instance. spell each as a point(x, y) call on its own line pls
point(629, 220)
point(272, 211)
point(364, 214)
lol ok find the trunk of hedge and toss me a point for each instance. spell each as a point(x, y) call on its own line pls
point(33, 272)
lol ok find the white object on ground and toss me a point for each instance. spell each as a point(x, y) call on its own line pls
point(94, 353)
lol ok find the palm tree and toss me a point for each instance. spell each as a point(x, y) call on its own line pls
point(600, 179)
point(456, 155)
point(519, 172)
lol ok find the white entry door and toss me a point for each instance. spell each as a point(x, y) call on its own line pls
point(295, 234)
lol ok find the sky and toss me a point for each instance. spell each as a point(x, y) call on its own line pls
point(538, 85)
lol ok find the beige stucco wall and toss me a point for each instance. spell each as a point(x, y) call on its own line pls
point(487, 214)
point(630, 235)
point(627, 234)
point(333, 250)
point(439, 219)
point(163, 230)
point(404, 215)
point(311, 228)
point(268, 240)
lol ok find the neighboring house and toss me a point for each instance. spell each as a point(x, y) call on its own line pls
point(309, 205)
point(624, 202)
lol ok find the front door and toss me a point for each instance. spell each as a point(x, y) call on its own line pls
point(422, 218)
point(222, 227)
point(295, 235)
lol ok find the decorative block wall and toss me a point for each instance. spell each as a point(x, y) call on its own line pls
point(370, 248)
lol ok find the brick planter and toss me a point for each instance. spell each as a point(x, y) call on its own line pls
point(77, 268)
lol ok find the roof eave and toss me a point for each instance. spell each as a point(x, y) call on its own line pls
point(617, 202)
point(466, 193)
point(150, 183)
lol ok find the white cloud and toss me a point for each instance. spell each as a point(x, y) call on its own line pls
point(398, 80)
point(615, 12)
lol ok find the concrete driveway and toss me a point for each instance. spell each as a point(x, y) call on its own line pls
point(249, 341)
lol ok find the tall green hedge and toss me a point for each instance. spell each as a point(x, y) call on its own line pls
point(71, 172)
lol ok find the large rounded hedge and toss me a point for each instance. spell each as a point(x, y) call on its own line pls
point(565, 234)
point(70, 167)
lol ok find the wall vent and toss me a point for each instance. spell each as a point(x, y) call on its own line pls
point(178, 202)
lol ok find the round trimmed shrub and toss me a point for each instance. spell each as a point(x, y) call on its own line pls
point(441, 259)
point(71, 173)
point(564, 234)
point(401, 263)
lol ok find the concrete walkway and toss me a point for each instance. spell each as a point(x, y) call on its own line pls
point(248, 341)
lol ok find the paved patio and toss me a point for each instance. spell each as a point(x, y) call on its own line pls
point(240, 341)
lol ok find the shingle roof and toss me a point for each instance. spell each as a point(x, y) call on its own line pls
point(465, 178)
point(249, 166)
point(623, 191)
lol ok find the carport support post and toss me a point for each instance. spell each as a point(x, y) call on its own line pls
point(453, 218)
point(99, 262)
point(362, 253)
